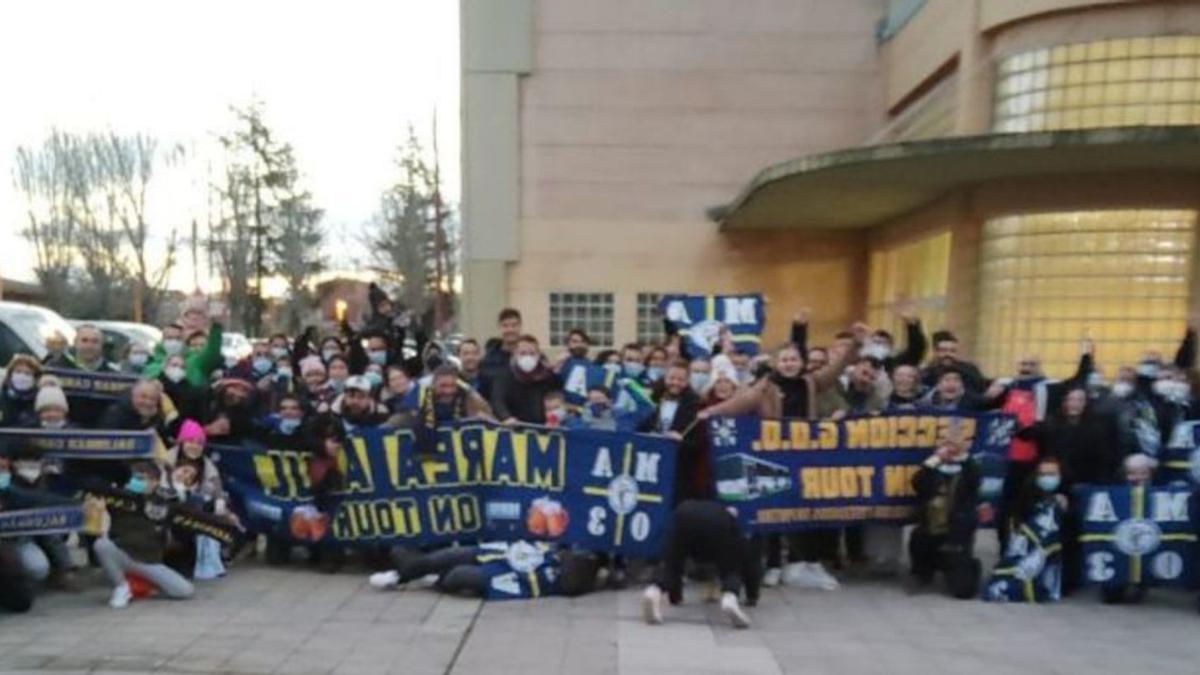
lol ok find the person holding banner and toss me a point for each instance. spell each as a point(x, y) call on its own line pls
point(675, 415)
point(1031, 567)
point(947, 491)
point(143, 540)
point(18, 391)
point(43, 557)
point(790, 392)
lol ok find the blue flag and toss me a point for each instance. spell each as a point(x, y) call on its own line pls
point(699, 319)
point(1031, 568)
point(601, 490)
point(793, 474)
point(1182, 462)
point(1137, 535)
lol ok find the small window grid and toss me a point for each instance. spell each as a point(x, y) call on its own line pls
point(649, 318)
point(592, 312)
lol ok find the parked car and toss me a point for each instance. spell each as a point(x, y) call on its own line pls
point(118, 335)
point(24, 329)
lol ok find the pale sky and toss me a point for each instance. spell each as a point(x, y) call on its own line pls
point(339, 80)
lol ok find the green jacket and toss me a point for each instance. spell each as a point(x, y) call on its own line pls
point(197, 363)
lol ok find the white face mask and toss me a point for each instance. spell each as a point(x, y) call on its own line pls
point(527, 362)
point(875, 350)
point(57, 424)
point(21, 381)
point(138, 359)
point(172, 346)
point(174, 373)
point(1122, 389)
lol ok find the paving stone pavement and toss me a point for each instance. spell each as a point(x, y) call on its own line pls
point(293, 620)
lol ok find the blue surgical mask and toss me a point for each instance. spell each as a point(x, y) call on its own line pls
point(1048, 483)
point(613, 368)
point(634, 369)
point(136, 485)
point(655, 373)
point(283, 372)
point(172, 346)
point(1147, 369)
point(699, 381)
point(5, 480)
point(374, 378)
point(262, 364)
point(327, 354)
point(288, 425)
point(279, 352)
point(377, 356)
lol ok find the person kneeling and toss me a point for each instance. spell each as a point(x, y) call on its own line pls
point(497, 570)
point(706, 532)
point(144, 539)
point(947, 488)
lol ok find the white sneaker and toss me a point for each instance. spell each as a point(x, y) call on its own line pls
point(385, 580)
point(733, 610)
point(772, 577)
point(121, 596)
point(822, 578)
point(652, 612)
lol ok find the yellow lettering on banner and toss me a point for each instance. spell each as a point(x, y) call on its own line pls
point(799, 434)
point(358, 475)
point(264, 468)
point(544, 472)
point(879, 433)
point(810, 480)
point(927, 430)
point(858, 434)
point(356, 520)
point(769, 436)
point(490, 437)
point(520, 445)
point(391, 457)
point(897, 480)
point(866, 475)
point(829, 482)
point(433, 469)
point(829, 435)
point(906, 428)
point(453, 514)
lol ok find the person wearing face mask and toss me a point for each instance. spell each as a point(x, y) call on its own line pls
point(599, 413)
point(16, 588)
point(656, 366)
point(191, 401)
point(43, 557)
point(339, 370)
point(517, 396)
point(200, 360)
point(331, 346)
point(18, 391)
point(947, 493)
point(1031, 568)
point(134, 543)
point(315, 394)
point(675, 412)
point(285, 430)
point(136, 357)
point(699, 375)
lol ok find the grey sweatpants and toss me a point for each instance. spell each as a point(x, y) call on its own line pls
point(116, 563)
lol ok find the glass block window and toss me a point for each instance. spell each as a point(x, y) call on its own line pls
point(916, 273)
point(593, 312)
point(1151, 81)
point(649, 318)
point(1049, 280)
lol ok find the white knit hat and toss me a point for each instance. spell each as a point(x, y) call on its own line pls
point(50, 397)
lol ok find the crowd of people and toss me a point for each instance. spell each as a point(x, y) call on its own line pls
point(309, 391)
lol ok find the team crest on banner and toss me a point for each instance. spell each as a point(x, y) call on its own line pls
point(793, 474)
point(600, 490)
point(699, 319)
point(1182, 462)
point(1138, 535)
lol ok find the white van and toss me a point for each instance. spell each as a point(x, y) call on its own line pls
point(24, 329)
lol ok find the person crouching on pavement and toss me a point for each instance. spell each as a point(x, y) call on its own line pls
point(947, 488)
point(705, 531)
point(132, 544)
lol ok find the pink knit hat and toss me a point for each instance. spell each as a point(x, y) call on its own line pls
point(191, 432)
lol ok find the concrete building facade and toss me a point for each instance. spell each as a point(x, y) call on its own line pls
point(1023, 171)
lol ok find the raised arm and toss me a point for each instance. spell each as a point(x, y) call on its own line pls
point(1185, 356)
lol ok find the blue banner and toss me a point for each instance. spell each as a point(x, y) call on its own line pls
point(1137, 535)
point(595, 489)
point(84, 444)
point(1031, 568)
point(105, 386)
point(792, 474)
point(41, 520)
point(699, 319)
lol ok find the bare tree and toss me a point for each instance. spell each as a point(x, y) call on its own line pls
point(41, 179)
